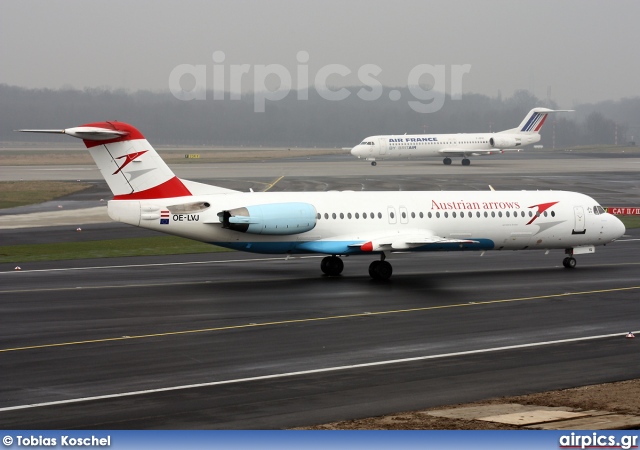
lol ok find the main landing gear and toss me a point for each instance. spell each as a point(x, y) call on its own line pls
point(331, 265)
point(378, 270)
point(465, 161)
point(373, 163)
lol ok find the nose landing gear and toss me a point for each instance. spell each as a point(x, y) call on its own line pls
point(569, 262)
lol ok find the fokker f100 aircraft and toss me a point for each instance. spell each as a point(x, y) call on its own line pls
point(463, 144)
point(148, 194)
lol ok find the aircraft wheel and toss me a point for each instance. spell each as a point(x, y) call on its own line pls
point(373, 269)
point(331, 265)
point(466, 162)
point(380, 270)
point(569, 262)
point(446, 161)
point(373, 163)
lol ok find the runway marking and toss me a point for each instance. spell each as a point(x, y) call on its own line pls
point(313, 319)
point(186, 263)
point(273, 184)
point(309, 372)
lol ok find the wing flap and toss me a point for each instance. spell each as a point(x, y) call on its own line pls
point(400, 242)
point(468, 152)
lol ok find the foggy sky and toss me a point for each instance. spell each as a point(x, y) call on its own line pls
point(581, 51)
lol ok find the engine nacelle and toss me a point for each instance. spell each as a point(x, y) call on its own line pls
point(504, 142)
point(274, 218)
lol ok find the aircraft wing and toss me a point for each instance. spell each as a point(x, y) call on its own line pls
point(406, 241)
point(473, 152)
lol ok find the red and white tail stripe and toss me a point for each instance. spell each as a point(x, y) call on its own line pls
point(130, 165)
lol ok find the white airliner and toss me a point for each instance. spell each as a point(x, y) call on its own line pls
point(376, 148)
point(148, 194)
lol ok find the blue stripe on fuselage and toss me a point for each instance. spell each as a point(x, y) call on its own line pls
point(341, 247)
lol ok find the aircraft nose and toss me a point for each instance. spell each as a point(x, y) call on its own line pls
point(354, 151)
point(621, 229)
point(616, 227)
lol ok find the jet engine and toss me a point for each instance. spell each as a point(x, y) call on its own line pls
point(273, 218)
point(504, 142)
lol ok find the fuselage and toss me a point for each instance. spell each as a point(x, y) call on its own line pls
point(148, 194)
point(462, 144)
point(344, 221)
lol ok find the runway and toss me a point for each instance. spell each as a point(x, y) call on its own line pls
point(241, 341)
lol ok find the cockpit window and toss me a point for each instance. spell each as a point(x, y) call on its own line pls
point(363, 143)
point(597, 210)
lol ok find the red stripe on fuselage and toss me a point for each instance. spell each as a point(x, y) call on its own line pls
point(172, 188)
point(132, 133)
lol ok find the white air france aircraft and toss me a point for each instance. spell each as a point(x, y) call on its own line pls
point(148, 194)
point(463, 144)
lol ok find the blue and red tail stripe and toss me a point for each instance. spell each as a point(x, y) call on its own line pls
point(535, 122)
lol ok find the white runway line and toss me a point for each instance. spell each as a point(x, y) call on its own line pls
point(309, 372)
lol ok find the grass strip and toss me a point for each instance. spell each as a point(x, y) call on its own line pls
point(630, 221)
point(20, 193)
point(148, 246)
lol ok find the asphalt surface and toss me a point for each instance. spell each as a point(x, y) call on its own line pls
point(241, 341)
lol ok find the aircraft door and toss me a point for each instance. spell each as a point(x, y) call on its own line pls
point(383, 145)
point(578, 228)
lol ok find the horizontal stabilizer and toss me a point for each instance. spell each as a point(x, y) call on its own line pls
point(86, 133)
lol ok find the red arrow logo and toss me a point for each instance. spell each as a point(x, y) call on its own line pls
point(130, 157)
point(542, 207)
